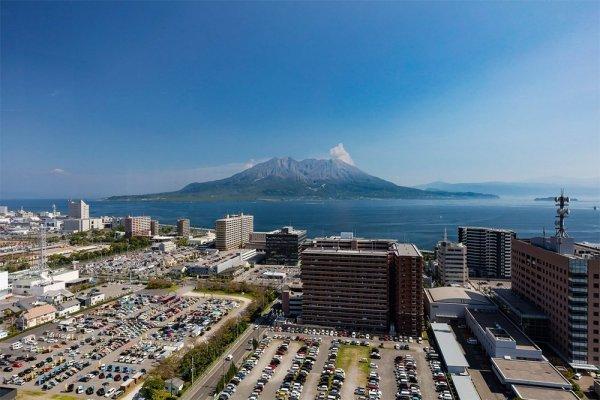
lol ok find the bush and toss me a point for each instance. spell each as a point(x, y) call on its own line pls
point(159, 283)
point(154, 388)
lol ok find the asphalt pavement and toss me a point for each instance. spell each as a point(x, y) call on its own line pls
point(204, 388)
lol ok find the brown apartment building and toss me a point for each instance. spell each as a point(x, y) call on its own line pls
point(362, 285)
point(565, 284)
point(137, 226)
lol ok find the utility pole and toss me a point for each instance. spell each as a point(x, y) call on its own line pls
point(192, 370)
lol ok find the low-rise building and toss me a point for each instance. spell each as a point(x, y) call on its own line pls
point(449, 302)
point(174, 386)
point(529, 373)
point(220, 263)
point(36, 316)
point(57, 296)
point(452, 354)
point(68, 308)
point(291, 300)
point(72, 225)
point(91, 299)
point(165, 247)
point(500, 337)
point(529, 318)
point(542, 393)
point(4, 287)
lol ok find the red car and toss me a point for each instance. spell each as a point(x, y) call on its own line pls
point(17, 364)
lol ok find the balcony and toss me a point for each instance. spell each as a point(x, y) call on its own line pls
point(577, 289)
point(578, 279)
point(577, 300)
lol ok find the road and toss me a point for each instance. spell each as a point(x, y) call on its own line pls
point(205, 387)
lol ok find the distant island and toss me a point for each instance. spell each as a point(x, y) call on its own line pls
point(287, 179)
point(551, 198)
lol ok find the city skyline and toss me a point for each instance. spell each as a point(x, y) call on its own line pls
point(148, 97)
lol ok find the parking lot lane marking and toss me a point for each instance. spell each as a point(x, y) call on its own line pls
point(273, 385)
point(312, 381)
point(247, 385)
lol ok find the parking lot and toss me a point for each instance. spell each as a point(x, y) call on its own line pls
point(104, 352)
point(320, 364)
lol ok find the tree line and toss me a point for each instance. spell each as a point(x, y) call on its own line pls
point(197, 360)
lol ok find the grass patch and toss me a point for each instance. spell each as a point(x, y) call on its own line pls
point(349, 357)
point(27, 394)
point(63, 397)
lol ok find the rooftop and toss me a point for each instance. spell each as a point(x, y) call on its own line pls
point(488, 229)
point(465, 387)
point(407, 249)
point(68, 304)
point(452, 294)
point(321, 250)
point(501, 326)
point(539, 393)
point(517, 304)
point(451, 350)
point(535, 373)
point(39, 311)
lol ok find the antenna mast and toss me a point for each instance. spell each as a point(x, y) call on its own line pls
point(562, 212)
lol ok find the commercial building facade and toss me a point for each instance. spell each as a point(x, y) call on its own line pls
point(362, 285)
point(291, 300)
point(183, 227)
point(566, 288)
point(137, 226)
point(233, 231)
point(452, 263)
point(79, 209)
point(283, 246)
point(488, 251)
point(72, 225)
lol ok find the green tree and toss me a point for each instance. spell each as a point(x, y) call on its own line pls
point(154, 388)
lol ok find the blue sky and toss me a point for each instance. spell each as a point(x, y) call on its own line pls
point(134, 97)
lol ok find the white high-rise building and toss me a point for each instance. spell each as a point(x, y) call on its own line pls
point(233, 231)
point(452, 263)
point(79, 209)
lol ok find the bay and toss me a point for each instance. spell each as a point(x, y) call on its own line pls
point(417, 221)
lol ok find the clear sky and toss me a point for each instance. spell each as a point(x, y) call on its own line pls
point(135, 97)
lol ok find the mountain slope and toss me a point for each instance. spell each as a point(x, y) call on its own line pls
point(522, 189)
point(286, 178)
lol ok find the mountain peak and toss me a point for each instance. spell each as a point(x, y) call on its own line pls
point(287, 178)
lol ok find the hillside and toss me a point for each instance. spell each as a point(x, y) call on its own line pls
point(286, 178)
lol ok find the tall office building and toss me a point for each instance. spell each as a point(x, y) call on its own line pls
point(79, 209)
point(183, 227)
point(137, 226)
point(283, 246)
point(154, 227)
point(488, 250)
point(452, 263)
point(362, 285)
point(563, 282)
point(233, 231)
